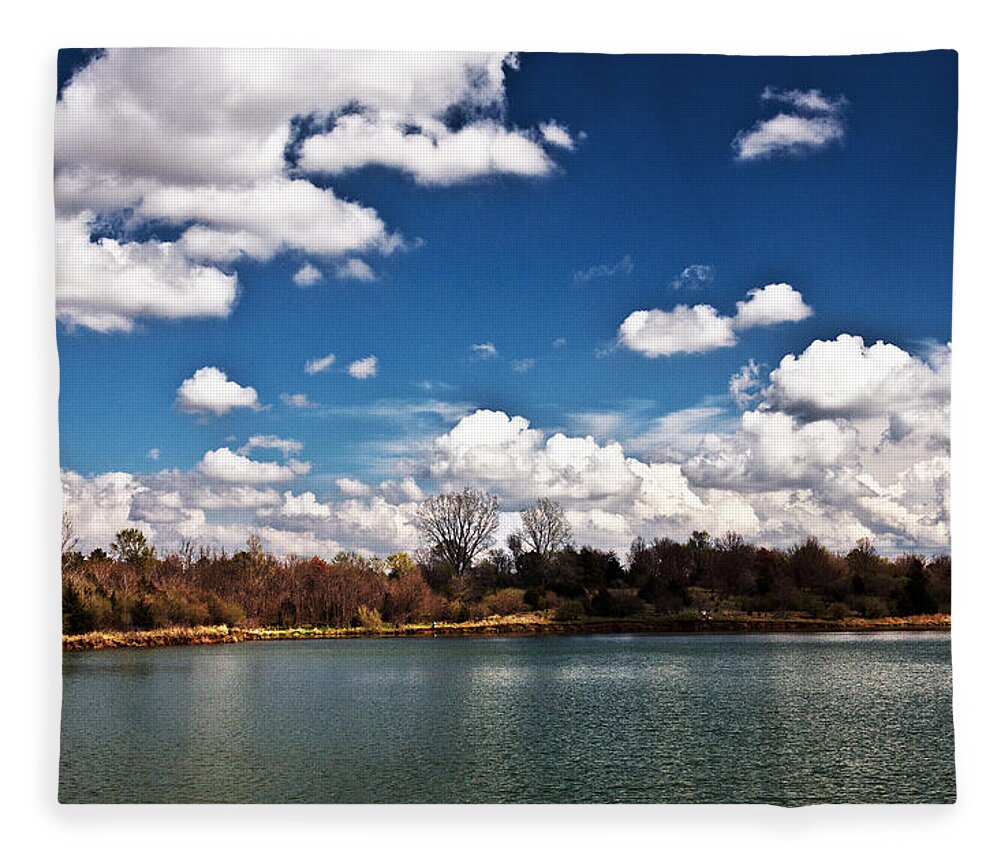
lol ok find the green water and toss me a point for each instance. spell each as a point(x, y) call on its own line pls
point(788, 719)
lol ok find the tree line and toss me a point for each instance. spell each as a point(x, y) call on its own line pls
point(459, 574)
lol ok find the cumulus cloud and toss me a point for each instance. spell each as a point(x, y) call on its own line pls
point(307, 275)
point(867, 458)
point(682, 330)
point(207, 140)
point(847, 441)
point(429, 151)
point(304, 505)
point(352, 487)
point(844, 377)
point(774, 303)
point(702, 328)
point(363, 368)
point(107, 285)
point(211, 392)
point(609, 497)
point(225, 465)
point(776, 450)
point(318, 365)
point(816, 122)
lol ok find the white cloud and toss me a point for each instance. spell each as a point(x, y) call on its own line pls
point(702, 328)
point(227, 497)
point(153, 454)
point(354, 270)
point(483, 351)
point(806, 100)
point(775, 450)
point(817, 122)
point(101, 505)
point(261, 220)
point(522, 365)
point(694, 277)
point(745, 386)
point(304, 505)
point(352, 487)
point(609, 497)
point(428, 151)
point(210, 391)
point(198, 138)
point(681, 330)
point(559, 343)
point(363, 368)
point(297, 401)
point(287, 447)
point(318, 365)
point(868, 460)
point(557, 135)
point(771, 304)
point(843, 377)
point(601, 425)
point(228, 466)
point(307, 275)
point(107, 285)
point(679, 434)
point(622, 267)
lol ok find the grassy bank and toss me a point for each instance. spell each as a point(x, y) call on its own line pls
point(530, 624)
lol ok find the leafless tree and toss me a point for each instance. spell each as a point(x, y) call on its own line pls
point(69, 538)
point(544, 527)
point(460, 526)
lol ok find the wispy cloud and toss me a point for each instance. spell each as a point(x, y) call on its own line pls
point(318, 365)
point(622, 267)
point(297, 401)
point(814, 122)
point(287, 447)
point(522, 365)
point(483, 351)
point(694, 277)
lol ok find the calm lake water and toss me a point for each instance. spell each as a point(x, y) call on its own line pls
point(787, 719)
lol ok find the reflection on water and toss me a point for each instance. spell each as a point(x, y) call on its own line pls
point(657, 719)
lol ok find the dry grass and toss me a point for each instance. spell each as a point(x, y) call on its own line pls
point(529, 623)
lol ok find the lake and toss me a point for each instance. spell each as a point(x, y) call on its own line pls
point(786, 719)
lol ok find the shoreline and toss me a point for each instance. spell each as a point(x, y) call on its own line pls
point(497, 626)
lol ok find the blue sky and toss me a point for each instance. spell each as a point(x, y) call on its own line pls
point(631, 174)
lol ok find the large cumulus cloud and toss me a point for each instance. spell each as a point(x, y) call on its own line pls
point(222, 146)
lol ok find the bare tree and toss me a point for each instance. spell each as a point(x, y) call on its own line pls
point(544, 527)
point(460, 525)
point(69, 538)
